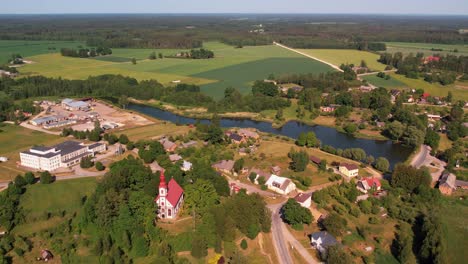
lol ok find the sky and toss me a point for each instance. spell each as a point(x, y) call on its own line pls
point(445, 7)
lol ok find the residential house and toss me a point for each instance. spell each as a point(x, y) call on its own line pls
point(304, 199)
point(224, 166)
point(349, 170)
point(329, 109)
point(236, 138)
point(246, 133)
point(186, 166)
point(155, 167)
point(366, 88)
point(367, 184)
point(65, 154)
point(447, 183)
point(394, 93)
point(170, 198)
point(174, 158)
point(189, 144)
point(322, 240)
point(168, 145)
point(280, 185)
point(432, 117)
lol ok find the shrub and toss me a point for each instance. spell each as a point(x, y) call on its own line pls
point(243, 244)
point(86, 162)
point(29, 177)
point(20, 181)
point(100, 166)
point(373, 220)
point(130, 145)
point(46, 177)
point(123, 139)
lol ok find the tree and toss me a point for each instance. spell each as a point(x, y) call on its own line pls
point(382, 164)
point(243, 244)
point(99, 166)
point(279, 114)
point(134, 62)
point(86, 162)
point(296, 215)
point(413, 136)
point(404, 244)
point(265, 88)
point(29, 177)
point(200, 196)
point(123, 139)
point(457, 113)
point(46, 177)
point(335, 224)
point(20, 181)
point(123, 101)
point(395, 130)
point(299, 160)
point(238, 165)
point(432, 139)
point(409, 178)
point(350, 128)
point(252, 177)
point(322, 165)
point(160, 55)
point(336, 255)
point(152, 56)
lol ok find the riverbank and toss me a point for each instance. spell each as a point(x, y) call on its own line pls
point(265, 116)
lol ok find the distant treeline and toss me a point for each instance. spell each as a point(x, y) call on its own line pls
point(155, 42)
point(85, 52)
point(194, 54)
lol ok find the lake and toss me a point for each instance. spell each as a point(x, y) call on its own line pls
point(328, 136)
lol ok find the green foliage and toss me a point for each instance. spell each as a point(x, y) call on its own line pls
point(238, 165)
point(294, 214)
point(99, 166)
point(336, 255)
point(265, 88)
point(29, 177)
point(252, 177)
point(200, 196)
point(335, 224)
point(409, 178)
point(199, 246)
point(404, 244)
point(86, 162)
point(46, 177)
point(434, 244)
point(123, 139)
point(350, 128)
point(382, 164)
point(149, 151)
point(243, 244)
point(20, 181)
point(299, 160)
point(308, 139)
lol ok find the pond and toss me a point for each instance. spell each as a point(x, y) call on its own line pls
point(328, 136)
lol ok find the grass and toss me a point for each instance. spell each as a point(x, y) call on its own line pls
point(453, 216)
point(16, 138)
point(338, 57)
point(444, 142)
point(401, 82)
point(56, 197)
point(230, 67)
point(406, 48)
point(32, 48)
point(150, 131)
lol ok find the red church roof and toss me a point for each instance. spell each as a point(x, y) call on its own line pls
point(174, 192)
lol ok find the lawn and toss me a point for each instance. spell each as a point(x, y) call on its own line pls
point(453, 216)
point(230, 67)
point(407, 47)
point(151, 131)
point(392, 83)
point(32, 48)
point(16, 138)
point(53, 198)
point(340, 56)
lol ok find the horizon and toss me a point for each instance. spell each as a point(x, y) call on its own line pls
point(364, 7)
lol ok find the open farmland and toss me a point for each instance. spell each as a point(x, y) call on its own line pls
point(340, 56)
point(426, 48)
point(230, 67)
point(32, 48)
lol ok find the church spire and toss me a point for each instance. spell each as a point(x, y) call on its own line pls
point(162, 181)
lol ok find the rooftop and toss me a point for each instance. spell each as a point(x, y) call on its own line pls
point(349, 166)
point(302, 197)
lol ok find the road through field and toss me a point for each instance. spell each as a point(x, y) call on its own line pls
point(307, 55)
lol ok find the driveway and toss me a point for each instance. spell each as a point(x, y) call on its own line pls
point(424, 158)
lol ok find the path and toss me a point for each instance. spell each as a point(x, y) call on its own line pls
point(375, 72)
point(282, 238)
point(424, 158)
point(309, 56)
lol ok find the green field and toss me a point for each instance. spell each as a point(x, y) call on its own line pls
point(338, 57)
point(459, 90)
point(230, 67)
point(407, 47)
point(32, 48)
point(453, 216)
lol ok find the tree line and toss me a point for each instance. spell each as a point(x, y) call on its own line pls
point(85, 52)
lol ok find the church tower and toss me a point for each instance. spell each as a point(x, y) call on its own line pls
point(162, 195)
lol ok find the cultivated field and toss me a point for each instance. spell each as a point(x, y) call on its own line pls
point(338, 57)
point(406, 48)
point(32, 48)
point(230, 67)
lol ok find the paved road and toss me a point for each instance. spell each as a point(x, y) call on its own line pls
point(282, 238)
point(373, 73)
point(309, 56)
point(421, 156)
point(424, 158)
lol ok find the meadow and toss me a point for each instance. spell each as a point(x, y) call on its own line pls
point(32, 48)
point(459, 89)
point(343, 56)
point(406, 48)
point(236, 67)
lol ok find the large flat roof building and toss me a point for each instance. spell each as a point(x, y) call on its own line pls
point(65, 154)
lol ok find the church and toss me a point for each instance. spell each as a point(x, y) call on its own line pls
point(170, 198)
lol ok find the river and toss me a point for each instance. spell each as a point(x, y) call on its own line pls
point(328, 136)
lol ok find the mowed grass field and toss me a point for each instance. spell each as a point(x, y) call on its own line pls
point(233, 67)
point(407, 47)
point(459, 90)
point(16, 138)
point(338, 57)
point(32, 48)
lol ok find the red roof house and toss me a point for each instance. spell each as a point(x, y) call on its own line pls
point(367, 184)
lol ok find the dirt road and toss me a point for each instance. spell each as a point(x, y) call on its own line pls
point(309, 56)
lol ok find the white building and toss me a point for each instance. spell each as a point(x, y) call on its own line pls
point(170, 198)
point(304, 199)
point(349, 170)
point(322, 240)
point(72, 105)
point(275, 183)
point(65, 154)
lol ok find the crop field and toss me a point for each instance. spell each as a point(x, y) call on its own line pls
point(230, 67)
point(406, 48)
point(32, 48)
point(459, 90)
point(338, 57)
